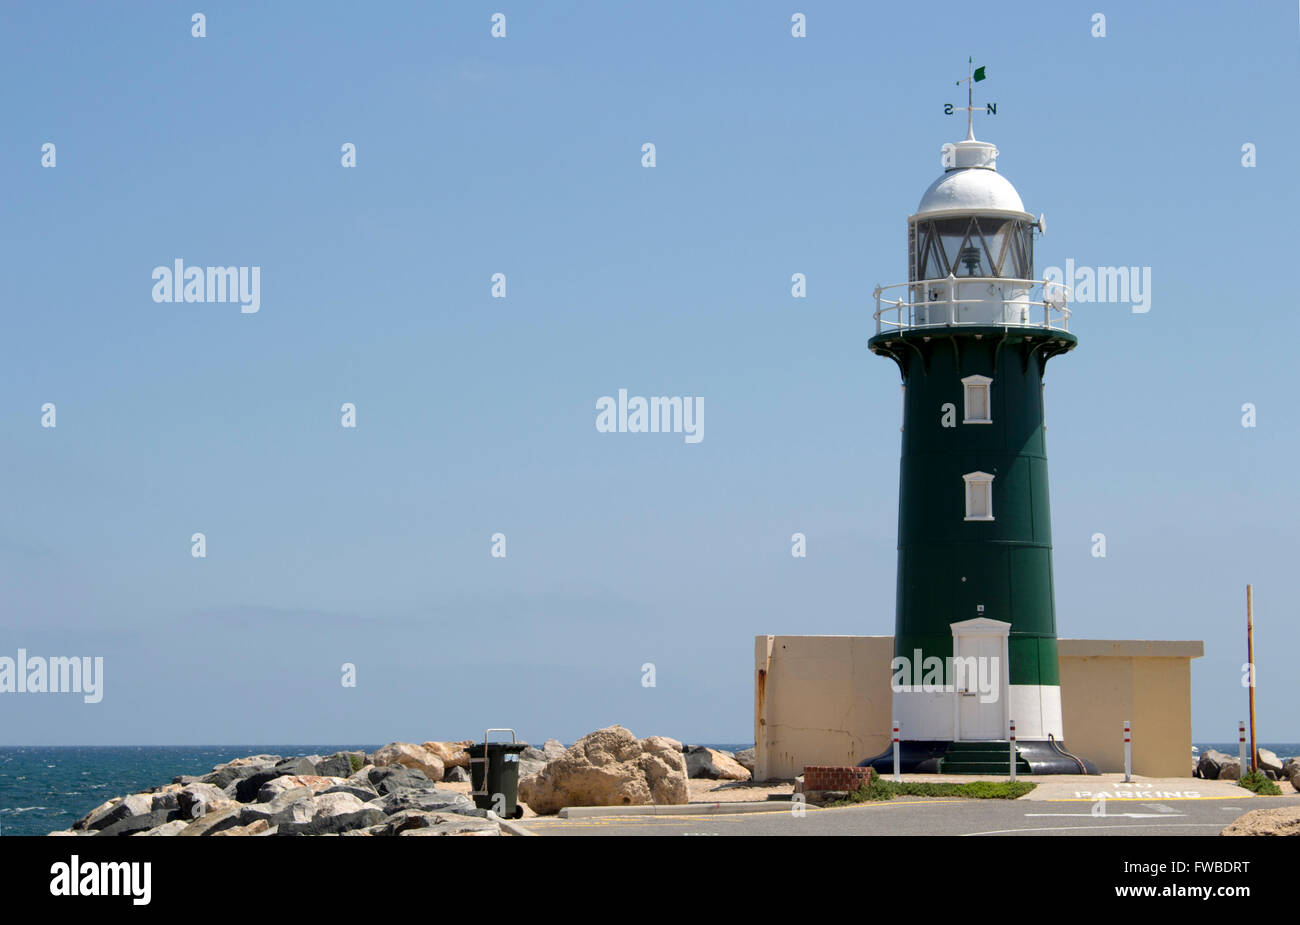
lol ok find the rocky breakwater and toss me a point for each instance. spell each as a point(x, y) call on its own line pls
point(608, 767)
point(392, 792)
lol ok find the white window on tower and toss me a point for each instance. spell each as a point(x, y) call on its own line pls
point(979, 495)
point(978, 407)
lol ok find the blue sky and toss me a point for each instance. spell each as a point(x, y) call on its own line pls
point(476, 415)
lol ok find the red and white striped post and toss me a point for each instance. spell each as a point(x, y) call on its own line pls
point(897, 778)
point(1013, 749)
point(1128, 753)
point(1241, 744)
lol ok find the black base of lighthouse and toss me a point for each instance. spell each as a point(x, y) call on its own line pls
point(939, 757)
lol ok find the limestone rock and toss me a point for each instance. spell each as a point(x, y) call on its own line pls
point(196, 800)
point(139, 822)
point(167, 828)
point(746, 759)
point(1268, 761)
point(213, 822)
point(290, 806)
point(610, 767)
point(713, 764)
point(316, 784)
point(459, 775)
point(253, 828)
point(334, 813)
point(410, 756)
point(1284, 820)
point(451, 754)
point(429, 800)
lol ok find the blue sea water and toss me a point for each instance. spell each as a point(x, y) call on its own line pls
point(44, 789)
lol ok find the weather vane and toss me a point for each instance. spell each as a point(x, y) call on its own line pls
point(972, 76)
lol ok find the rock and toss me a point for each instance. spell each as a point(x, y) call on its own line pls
point(363, 792)
point(1291, 771)
point(223, 775)
point(410, 756)
point(165, 797)
point(746, 759)
point(246, 789)
point(136, 804)
point(610, 767)
point(295, 766)
point(338, 764)
point(1230, 770)
point(459, 775)
point(140, 822)
point(167, 828)
point(334, 813)
point(444, 824)
point(1210, 764)
point(213, 822)
point(712, 764)
point(1268, 761)
point(428, 801)
point(294, 805)
point(1284, 820)
point(316, 784)
point(392, 779)
point(253, 828)
point(197, 800)
point(451, 754)
point(94, 818)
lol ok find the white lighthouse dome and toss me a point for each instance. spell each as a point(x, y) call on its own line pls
point(972, 184)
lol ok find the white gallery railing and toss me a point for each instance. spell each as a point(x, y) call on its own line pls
point(973, 300)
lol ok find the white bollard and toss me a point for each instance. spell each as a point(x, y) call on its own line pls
point(1013, 749)
point(1241, 747)
point(897, 778)
point(1128, 753)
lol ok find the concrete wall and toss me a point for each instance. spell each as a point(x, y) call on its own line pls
point(1104, 682)
point(827, 700)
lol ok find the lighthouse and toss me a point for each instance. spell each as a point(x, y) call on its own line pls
point(971, 332)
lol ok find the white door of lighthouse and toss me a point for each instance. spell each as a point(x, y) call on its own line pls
point(979, 679)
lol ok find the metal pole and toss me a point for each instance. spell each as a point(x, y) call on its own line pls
point(1250, 659)
point(1013, 749)
point(1128, 753)
point(897, 778)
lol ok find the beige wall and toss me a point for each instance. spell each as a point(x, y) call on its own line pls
point(826, 700)
point(1104, 682)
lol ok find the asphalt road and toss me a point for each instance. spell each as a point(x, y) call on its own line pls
point(1203, 816)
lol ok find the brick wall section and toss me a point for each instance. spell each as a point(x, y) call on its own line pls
point(823, 777)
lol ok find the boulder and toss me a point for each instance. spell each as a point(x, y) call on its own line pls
point(137, 804)
point(338, 764)
point(1230, 770)
point(610, 767)
point(253, 828)
point(745, 758)
point(316, 784)
point(417, 823)
point(225, 774)
point(95, 818)
point(246, 789)
point(1284, 820)
point(196, 800)
point(167, 828)
point(532, 759)
point(451, 754)
point(213, 822)
point(459, 775)
point(334, 813)
point(712, 764)
point(392, 779)
point(363, 792)
point(1211, 761)
point(407, 755)
point(1268, 761)
point(290, 806)
point(140, 822)
point(165, 797)
point(428, 801)
point(296, 766)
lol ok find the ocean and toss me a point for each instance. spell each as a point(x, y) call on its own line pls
point(47, 788)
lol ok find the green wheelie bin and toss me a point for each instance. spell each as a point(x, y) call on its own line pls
point(494, 775)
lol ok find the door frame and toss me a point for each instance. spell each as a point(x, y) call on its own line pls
point(982, 626)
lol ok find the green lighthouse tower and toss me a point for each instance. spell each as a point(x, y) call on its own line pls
point(975, 624)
